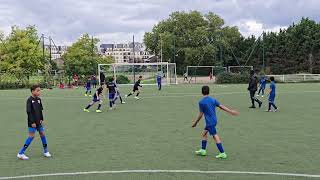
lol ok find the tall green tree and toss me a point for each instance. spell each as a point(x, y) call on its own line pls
point(191, 38)
point(21, 54)
point(82, 57)
point(295, 49)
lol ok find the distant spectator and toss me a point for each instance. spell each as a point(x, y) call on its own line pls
point(76, 79)
point(94, 81)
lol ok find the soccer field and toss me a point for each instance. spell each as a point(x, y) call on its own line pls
point(154, 133)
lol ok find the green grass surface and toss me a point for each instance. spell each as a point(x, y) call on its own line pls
point(155, 133)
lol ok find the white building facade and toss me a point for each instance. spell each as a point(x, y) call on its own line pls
point(125, 53)
point(56, 51)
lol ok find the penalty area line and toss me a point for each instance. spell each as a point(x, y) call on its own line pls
point(163, 171)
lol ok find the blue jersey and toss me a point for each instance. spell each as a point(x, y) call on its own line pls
point(208, 106)
point(263, 82)
point(159, 79)
point(88, 84)
point(273, 89)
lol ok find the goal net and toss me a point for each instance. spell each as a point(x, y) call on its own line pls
point(204, 74)
point(240, 69)
point(128, 73)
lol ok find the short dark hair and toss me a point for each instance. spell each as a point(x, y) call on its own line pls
point(205, 90)
point(271, 78)
point(34, 87)
point(140, 77)
point(111, 79)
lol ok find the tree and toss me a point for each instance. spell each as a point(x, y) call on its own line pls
point(82, 57)
point(191, 38)
point(21, 54)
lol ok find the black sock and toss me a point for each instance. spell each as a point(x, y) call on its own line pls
point(252, 102)
point(88, 106)
point(269, 107)
point(120, 99)
point(99, 106)
point(129, 94)
point(137, 94)
point(274, 106)
point(257, 100)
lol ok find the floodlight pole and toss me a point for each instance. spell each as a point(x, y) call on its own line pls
point(161, 52)
point(43, 47)
point(174, 49)
point(263, 51)
point(134, 72)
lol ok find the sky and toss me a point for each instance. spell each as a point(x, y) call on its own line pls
point(115, 21)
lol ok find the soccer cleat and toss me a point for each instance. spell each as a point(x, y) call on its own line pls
point(252, 107)
point(123, 102)
point(276, 110)
point(90, 95)
point(262, 96)
point(98, 111)
point(126, 96)
point(201, 152)
point(268, 110)
point(137, 98)
point(86, 110)
point(47, 155)
point(85, 95)
point(258, 95)
point(222, 156)
point(22, 157)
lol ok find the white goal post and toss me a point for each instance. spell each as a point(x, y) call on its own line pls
point(239, 69)
point(132, 71)
point(198, 70)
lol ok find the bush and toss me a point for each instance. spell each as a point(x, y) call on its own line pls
point(121, 79)
point(13, 85)
point(232, 78)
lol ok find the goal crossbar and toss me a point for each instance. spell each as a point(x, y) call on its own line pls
point(162, 65)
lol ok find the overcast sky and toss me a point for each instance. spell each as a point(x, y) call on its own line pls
point(117, 20)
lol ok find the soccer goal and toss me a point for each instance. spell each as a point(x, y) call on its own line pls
point(128, 73)
point(204, 74)
point(240, 69)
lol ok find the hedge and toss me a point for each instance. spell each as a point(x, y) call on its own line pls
point(232, 78)
point(19, 85)
point(121, 79)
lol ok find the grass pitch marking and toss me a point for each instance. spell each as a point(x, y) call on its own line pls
point(165, 172)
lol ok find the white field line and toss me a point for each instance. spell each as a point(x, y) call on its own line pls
point(168, 95)
point(163, 171)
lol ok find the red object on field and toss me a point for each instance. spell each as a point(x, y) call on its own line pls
point(61, 86)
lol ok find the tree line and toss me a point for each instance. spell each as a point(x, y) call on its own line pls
point(22, 55)
point(193, 38)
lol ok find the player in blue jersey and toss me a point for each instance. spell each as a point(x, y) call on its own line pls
point(207, 107)
point(88, 88)
point(272, 95)
point(112, 91)
point(96, 98)
point(159, 80)
point(263, 83)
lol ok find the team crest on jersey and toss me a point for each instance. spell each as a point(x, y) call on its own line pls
point(32, 101)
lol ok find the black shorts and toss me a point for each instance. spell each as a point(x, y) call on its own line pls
point(135, 89)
